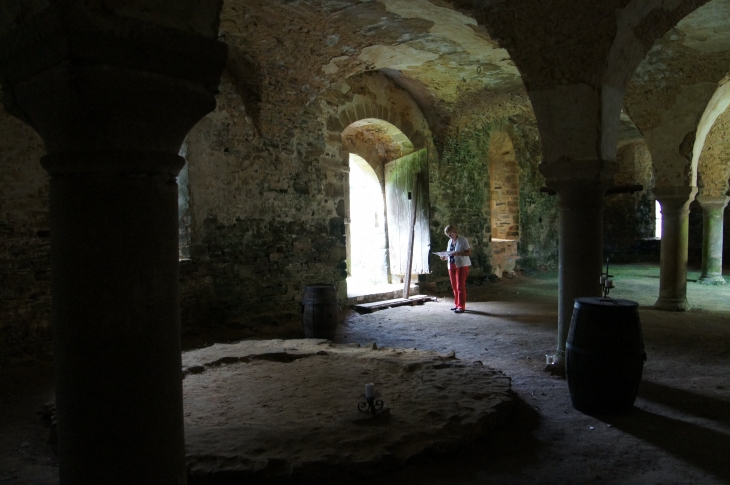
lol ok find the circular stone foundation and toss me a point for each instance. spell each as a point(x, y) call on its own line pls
point(287, 409)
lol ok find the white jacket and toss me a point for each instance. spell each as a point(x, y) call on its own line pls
point(461, 245)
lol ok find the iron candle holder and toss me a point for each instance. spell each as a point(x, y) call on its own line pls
point(606, 282)
point(371, 405)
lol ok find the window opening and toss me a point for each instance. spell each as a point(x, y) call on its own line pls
point(183, 207)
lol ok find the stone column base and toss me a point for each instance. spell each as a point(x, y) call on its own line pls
point(672, 304)
point(716, 280)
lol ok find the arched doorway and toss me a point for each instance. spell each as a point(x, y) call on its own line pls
point(382, 180)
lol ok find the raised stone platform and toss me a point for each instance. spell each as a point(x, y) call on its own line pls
point(287, 409)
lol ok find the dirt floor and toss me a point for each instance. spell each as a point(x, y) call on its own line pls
point(678, 432)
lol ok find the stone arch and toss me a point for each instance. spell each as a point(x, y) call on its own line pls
point(377, 141)
point(711, 169)
point(674, 96)
point(712, 165)
point(668, 98)
point(362, 109)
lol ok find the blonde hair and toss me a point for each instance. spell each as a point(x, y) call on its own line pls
point(449, 229)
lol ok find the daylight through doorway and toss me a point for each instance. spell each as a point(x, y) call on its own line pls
point(367, 265)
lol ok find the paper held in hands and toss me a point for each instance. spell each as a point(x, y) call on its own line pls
point(444, 254)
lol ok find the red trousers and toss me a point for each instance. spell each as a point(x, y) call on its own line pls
point(458, 284)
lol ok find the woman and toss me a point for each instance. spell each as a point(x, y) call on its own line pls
point(459, 263)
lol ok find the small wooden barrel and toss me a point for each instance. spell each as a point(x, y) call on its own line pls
point(319, 311)
point(604, 356)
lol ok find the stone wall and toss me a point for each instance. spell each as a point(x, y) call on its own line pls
point(628, 219)
point(264, 206)
point(460, 196)
point(267, 206)
point(264, 203)
point(460, 184)
point(538, 247)
point(265, 216)
point(713, 170)
point(25, 299)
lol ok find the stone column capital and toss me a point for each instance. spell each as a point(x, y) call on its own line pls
point(586, 171)
point(579, 181)
point(64, 71)
point(675, 198)
point(710, 203)
point(686, 192)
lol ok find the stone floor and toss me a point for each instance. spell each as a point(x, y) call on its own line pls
point(678, 432)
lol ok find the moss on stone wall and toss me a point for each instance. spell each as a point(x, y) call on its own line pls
point(538, 247)
point(460, 192)
point(459, 188)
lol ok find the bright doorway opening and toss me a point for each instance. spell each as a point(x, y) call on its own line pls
point(367, 263)
point(383, 170)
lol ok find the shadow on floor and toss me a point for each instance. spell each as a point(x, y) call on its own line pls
point(702, 447)
point(687, 402)
point(521, 318)
point(506, 451)
point(485, 314)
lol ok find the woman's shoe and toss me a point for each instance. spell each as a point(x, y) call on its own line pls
point(459, 310)
point(455, 308)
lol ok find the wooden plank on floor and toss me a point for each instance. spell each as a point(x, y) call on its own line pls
point(382, 305)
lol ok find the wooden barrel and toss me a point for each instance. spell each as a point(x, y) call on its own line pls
point(604, 356)
point(319, 311)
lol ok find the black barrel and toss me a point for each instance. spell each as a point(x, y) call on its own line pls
point(604, 356)
point(319, 311)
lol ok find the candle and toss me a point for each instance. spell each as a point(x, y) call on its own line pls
point(603, 279)
point(609, 283)
point(370, 391)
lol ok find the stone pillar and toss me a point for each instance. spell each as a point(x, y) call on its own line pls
point(581, 187)
point(674, 202)
point(113, 107)
point(713, 209)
